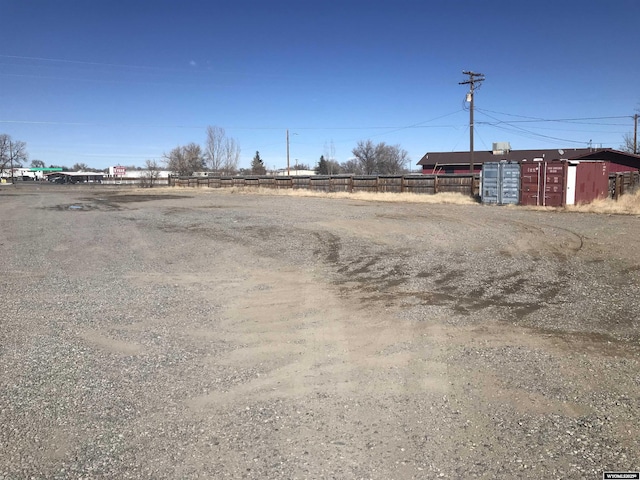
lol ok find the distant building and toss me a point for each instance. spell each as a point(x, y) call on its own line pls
point(25, 173)
point(294, 173)
point(75, 177)
point(118, 171)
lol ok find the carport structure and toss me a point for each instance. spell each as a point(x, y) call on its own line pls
point(75, 177)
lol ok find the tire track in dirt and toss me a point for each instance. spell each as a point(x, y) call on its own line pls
point(387, 277)
point(540, 239)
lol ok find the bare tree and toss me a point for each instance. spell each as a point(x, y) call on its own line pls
point(333, 167)
point(365, 154)
point(184, 160)
point(629, 144)
point(231, 156)
point(193, 153)
point(390, 159)
point(352, 166)
point(221, 153)
point(214, 146)
point(80, 167)
point(37, 164)
point(13, 153)
point(151, 174)
point(381, 159)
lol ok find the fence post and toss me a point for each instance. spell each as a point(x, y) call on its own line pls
point(435, 184)
point(618, 187)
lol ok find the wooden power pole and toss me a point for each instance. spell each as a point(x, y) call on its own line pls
point(635, 134)
point(473, 79)
point(288, 171)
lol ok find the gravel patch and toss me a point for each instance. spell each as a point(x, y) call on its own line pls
point(203, 334)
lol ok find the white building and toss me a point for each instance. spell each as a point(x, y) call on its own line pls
point(118, 171)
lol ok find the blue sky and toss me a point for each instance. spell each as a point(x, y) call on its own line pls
point(118, 82)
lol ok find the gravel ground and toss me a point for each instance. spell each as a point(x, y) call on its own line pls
point(204, 334)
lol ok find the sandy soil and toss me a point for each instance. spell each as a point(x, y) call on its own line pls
point(203, 334)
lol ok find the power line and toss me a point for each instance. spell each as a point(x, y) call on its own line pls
point(392, 128)
point(498, 122)
point(82, 62)
point(580, 121)
point(530, 133)
point(109, 80)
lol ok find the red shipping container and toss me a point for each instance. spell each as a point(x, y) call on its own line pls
point(543, 183)
point(587, 181)
point(559, 183)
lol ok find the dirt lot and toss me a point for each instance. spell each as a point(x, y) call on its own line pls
point(190, 334)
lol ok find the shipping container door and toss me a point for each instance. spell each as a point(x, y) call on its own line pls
point(554, 186)
point(510, 183)
point(592, 181)
point(530, 183)
point(490, 182)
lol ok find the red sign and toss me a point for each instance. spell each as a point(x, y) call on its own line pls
point(119, 171)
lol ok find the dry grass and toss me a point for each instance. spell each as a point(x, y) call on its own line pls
point(628, 204)
point(440, 198)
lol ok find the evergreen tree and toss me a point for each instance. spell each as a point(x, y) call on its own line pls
point(257, 165)
point(323, 167)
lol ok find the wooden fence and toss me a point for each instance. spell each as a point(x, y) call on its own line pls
point(425, 184)
point(621, 183)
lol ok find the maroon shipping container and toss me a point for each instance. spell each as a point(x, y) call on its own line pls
point(543, 183)
point(560, 183)
point(529, 184)
point(587, 181)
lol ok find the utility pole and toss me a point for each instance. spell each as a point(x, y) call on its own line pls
point(11, 159)
point(473, 79)
point(288, 173)
point(635, 134)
